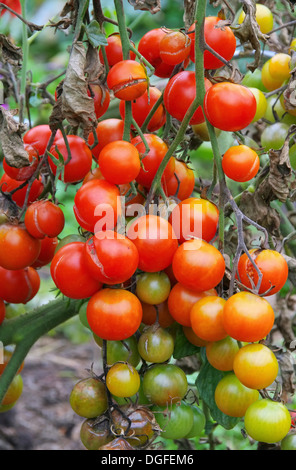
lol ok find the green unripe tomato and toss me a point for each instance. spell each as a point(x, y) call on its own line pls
point(253, 80)
point(69, 239)
point(88, 398)
point(289, 442)
point(176, 421)
point(125, 350)
point(153, 288)
point(273, 136)
point(261, 104)
point(156, 345)
point(199, 422)
point(82, 315)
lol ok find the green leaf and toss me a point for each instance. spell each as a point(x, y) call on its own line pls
point(206, 383)
point(94, 34)
point(183, 347)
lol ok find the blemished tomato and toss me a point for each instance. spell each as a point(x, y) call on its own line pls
point(143, 105)
point(80, 162)
point(8, 184)
point(181, 184)
point(153, 288)
point(114, 314)
point(94, 435)
point(128, 80)
point(193, 338)
point(267, 421)
point(183, 84)
point(195, 218)
point(176, 421)
point(155, 240)
point(227, 99)
point(19, 287)
point(198, 265)
point(137, 424)
point(97, 205)
point(24, 173)
point(119, 162)
point(70, 273)
point(157, 313)
point(220, 39)
point(165, 384)
point(102, 252)
point(47, 252)
point(156, 345)
point(206, 317)
point(39, 137)
point(114, 50)
point(126, 350)
point(256, 366)
point(149, 47)
point(221, 354)
point(240, 163)
point(271, 264)
point(14, 390)
point(122, 380)
point(174, 47)
point(18, 249)
point(150, 162)
point(44, 219)
point(101, 97)
point(233, 398)
point(247, 317)
point(181, 300)
point(88, 398)
point(108, 130)
point(264, 18)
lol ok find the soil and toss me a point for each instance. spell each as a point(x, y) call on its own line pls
point(42, 419)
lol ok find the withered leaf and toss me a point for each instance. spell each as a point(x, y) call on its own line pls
point(10, 52)
point(93, 67)
point(11, 140)
point(285, 360)
point(292, 268)
point(153, 6)
point(77, 106)
point(289, 93)
point(280, 172)
point(189, 13)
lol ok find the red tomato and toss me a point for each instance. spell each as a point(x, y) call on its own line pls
point(102, 253)
point(128, 80)
point(157, 313)
point(174, 47)
point(141, 108)
point(18, 249)
point(80, 162)
point(120, 162)
point(157, 150)
point(198, 265)
point(47, 252)
point(94, 174)
point(39, 137)
point(44, 219)
point(107, 131)
point(97, 205)
point(114, 314)
point(221, 39)
point(70, 273)
point(183, 85)
point(24, 173)
point(240, 163)
point(155, 240)
point(149, 48)
point(101, 97)
point(15, 5)
point(206, 317)
point(19, 287)
point(195, 217)
point(8, 184)
point(228, 99)
point(181, 184)
point(114, 50)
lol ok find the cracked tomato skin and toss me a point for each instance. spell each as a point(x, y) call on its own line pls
point(18, 248)
point(19, 287)
point(149, 47)
point(174, 47)
point(128, 80)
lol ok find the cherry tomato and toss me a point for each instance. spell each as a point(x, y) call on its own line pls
point(24, 173)
point(233, 398)
point(183, 84)
point(176, 421)
point(19, 287)
point(261, 104)
point(267, 421)
point(227, 99)
point(221, 354)
point(119, 162)
point(220, 39)
point(247, 317)
point(108, 130)
point(94, 435)
point(128, 80)
point(274, 136)
point(38, 137)
point(80, 162)
point(155, 240)
point(153, 288)
point(181, 184)
point(126, 350)
point(7, 354)
point(206, 318)
point(156, 344)
point(279, 66)
point(114, 50)
point(93, 174)
point(137, 424)
point(264, 18)
point(289, 442)
point(8, 184)
point(193, 338)
point(157, 313)
point(199, 422)
point(174, 47)
point(271, 83)
point(70, 273)
point(122, 380)
point(18, 249)
point(47, 252)
point(88, 398)
point(14, 390)
point(101, 97)
point(240, 163)
point(142, 106)
point(165, 384)
point(44, 218)
point(256, 366)
point(102, 252)
point(114, 314)
point(198, 265)
point(149, 47)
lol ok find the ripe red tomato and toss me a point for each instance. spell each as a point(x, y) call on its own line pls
point(39, 136)
point(198, 265)
point(114, 314)
point(155, 240)
point(24, 173)
point(206, 317)
point(47, 252)
point(247, 317)
point(228, 99)
point(80, 162)
point(149, 47)
point(271, 264)
point(157, 150)
point(181, 184)
point(44, 219)
point(174, 47)
point(128, 80)
point(183, 85)
point(114, 50)
point(107, 131)
point(195, 218)
point(119, 162)
point(94, 174)
point(19, 287)
point(8, 184)
point(102, 254)
point(233, 398)
point(97, 205)
point(15, 5)
point(101, 97)
point(70, 273)
point(221, 39)
point(240, 163)
point(18, 249)
point(142, 106)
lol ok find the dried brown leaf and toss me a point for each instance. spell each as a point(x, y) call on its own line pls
point(11, 140)
point(10, 52)
point(189, 13)
point(280, 172)
point(93, 67)
point(153, 6)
